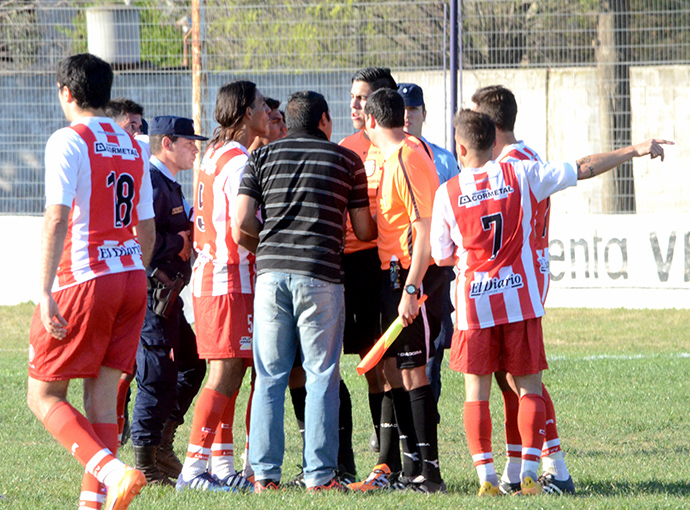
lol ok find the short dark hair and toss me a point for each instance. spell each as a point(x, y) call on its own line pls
point(88, 78)
point(387, 107)
point(499, 104)
point(475, 128)
point(272, 103)
point(156, 142)
point(232, 101)
point(305, 109)
point(376, 77)
point(121, 106)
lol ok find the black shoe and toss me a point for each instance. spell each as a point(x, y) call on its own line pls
point(556, 487)
point(509, 488)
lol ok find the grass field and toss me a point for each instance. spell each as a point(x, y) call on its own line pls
point(619, 380)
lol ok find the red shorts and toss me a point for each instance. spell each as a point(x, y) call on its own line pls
point(517, 348)
point(104, 317)
point(224, 325)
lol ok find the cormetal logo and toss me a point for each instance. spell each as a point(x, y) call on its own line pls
point(485, 194)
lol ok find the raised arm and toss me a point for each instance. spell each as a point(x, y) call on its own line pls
point(597, 164)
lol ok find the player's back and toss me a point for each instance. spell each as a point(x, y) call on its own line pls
point(222, 266)
point(97, 169)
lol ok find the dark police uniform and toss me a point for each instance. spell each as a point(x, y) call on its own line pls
point(169, 372)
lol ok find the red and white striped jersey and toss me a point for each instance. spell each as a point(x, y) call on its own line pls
point(96, 168)
point(222, 266)
point(484, 217)
point(520, 152)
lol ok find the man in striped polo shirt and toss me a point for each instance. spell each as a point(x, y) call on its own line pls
point(304, 185)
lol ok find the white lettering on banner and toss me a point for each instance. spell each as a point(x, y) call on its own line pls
point(115, 150)
point(493, 286)
point(485, 194)
point(112, 251)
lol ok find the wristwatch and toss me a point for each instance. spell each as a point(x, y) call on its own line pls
point(412, 290)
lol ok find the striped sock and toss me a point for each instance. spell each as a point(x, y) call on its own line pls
point(477, 421)
point(511, 404)
point(75, 433)
point(531, 420)
point(223, 449)
point(207, 413)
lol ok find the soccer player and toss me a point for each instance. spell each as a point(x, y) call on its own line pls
point(127, 114)
point(98, 235)
point(403, 216)
point(303, 183)
point(222, 288)
point(169, 371)
point(362, 271)
point(482, 222)
point(446, 168)
point(499, 104)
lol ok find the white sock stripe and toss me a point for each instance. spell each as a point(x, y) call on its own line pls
point(514, 447)
point(96, 459)
point(483, 456)
point(221, 446)
point(111, 467)
point(91, 496)
point(551, 444)
point(194, 449)
point(531, 451)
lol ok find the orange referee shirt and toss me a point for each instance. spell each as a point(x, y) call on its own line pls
point(373, 159)
point(408, 184)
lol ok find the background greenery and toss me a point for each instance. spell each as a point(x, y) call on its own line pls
point(618, 378)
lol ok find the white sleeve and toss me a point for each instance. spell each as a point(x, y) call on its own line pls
point(145, 205)
point(233, 171)
point(545, 179)
point(442, 245)
point(66, 154)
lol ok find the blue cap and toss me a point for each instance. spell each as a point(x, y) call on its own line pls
point(412, 94)
point(174, 126)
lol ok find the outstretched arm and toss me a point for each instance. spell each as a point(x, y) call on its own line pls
point(597, 164)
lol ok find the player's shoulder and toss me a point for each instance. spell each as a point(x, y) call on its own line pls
point(518, 151)
point(353, 141)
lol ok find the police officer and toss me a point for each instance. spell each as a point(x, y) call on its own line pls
point(169, 372)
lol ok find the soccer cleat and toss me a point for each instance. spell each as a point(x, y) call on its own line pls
point(237, 482)
point(265, 485)
point(205, 482)
point(402, 482)
point(429, 487)
point(345, 478)
point(297, 481)
point(556, 487)
point(509, 487)
point(123, 492)
point(378, 479)
point(488, 489)
point(529, 487)
point(332, 485)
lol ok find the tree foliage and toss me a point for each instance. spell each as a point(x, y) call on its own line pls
point(509, 33)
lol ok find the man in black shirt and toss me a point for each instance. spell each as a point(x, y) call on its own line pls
point(303, 184)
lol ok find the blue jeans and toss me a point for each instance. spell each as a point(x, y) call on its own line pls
point(292, 312)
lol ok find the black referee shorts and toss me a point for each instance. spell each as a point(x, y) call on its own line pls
point(415, 345)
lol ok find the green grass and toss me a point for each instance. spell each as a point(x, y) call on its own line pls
point(618, 379)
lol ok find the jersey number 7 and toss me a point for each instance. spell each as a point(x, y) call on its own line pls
point(497, 221)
